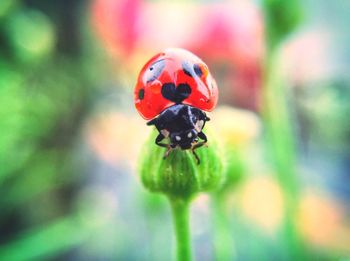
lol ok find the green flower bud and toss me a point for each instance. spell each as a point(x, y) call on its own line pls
point(179, 175)
point(281, 18)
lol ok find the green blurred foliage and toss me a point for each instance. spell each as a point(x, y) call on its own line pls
point(44, 97)
point(6, 6)
point(329, 125)
point(30, 34)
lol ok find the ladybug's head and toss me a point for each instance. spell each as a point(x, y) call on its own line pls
point(184, 139)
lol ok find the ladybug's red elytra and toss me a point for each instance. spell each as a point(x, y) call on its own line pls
point(173, 90)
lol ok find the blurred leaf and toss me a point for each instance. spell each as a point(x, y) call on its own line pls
point(38, 110)
point(6, 6)
point(44, 242)
point(40, 177)
point(31, 35)
point(11, 121)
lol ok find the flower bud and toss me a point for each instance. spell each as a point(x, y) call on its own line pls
point(179, 175)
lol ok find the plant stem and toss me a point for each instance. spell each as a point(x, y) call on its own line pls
point(223, 241)
point(281, 146)
point(180, 211)
point(281, 19)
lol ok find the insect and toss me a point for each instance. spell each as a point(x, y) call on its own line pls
point(173, 90)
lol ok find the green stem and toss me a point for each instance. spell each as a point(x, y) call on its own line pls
point(223, 241)
point(281, 145)
point(281, 19)
point(180, 211)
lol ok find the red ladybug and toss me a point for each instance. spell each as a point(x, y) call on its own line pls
point(173, 90)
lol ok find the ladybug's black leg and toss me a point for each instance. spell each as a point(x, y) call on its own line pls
point(170, 148)
point(166, 154)
point(196, 156)
point(159, 138)
point(198, 145)
point(202, 136)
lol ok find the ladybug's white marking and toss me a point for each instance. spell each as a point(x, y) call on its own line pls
point(189, 135)
point(199, 125)
point(165, 133)
point(154, 71)
point(178, 138)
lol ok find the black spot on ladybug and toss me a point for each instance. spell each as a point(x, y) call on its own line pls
point(168, 91)
point(186, 67)
point(183, 90)
point(141, 94)
point(176, 94)
point(197, 69)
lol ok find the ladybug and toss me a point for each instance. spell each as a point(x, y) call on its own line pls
point(173, 90)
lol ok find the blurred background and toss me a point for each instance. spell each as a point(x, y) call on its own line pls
point(70, 136)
